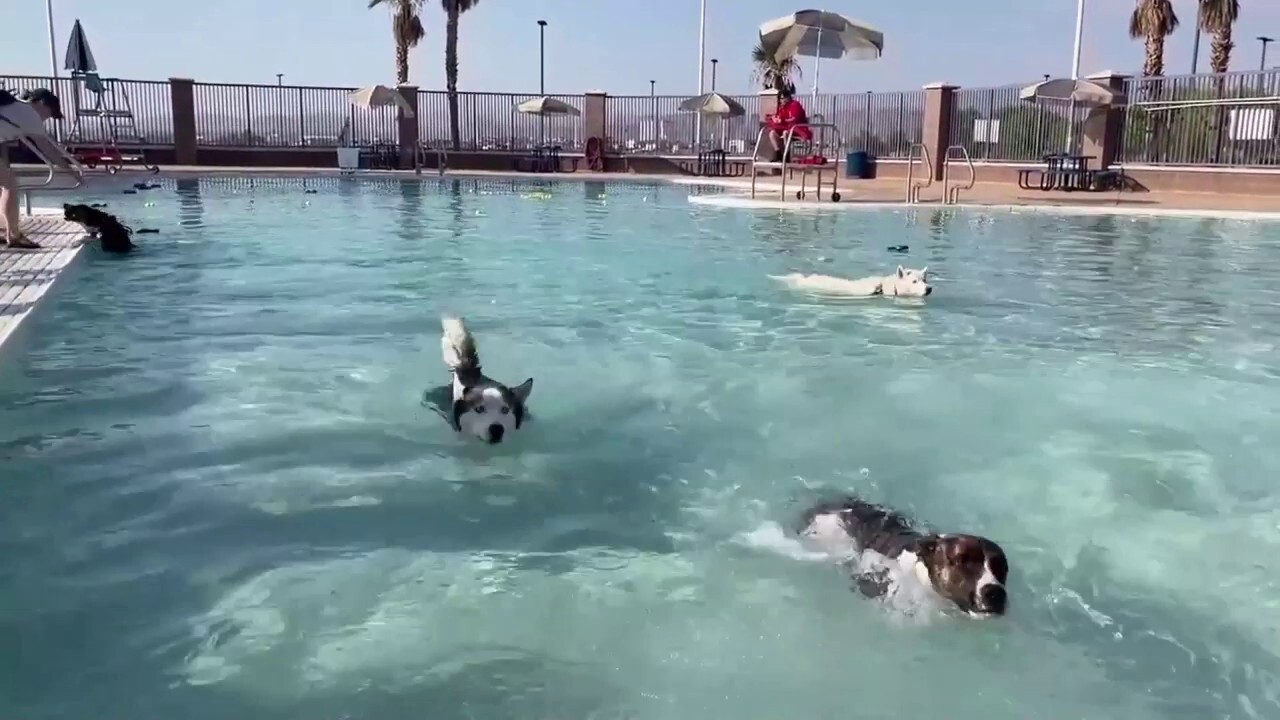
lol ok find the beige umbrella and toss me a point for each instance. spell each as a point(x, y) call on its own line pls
point(547, 106)
point(713, 104)
point(818, 34)
point(1075, 91)
point(377, 96)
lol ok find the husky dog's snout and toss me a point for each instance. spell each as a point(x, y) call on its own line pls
point(496, 432)
point(474, 403)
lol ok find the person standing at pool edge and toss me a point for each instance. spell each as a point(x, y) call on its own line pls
point(24, 119)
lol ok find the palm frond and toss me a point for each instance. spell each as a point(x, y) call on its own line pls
point(1215, 16)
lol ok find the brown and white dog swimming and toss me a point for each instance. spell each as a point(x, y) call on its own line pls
point(968, 571)
point(474, 403)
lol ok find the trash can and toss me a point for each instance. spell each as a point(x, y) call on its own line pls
point(858, 166)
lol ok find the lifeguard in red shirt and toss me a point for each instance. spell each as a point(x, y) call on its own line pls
point(790, 115)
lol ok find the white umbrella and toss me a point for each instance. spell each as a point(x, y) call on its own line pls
point(376, 96)
point(1068, 90)
point(79, 57)
point(547, 106)
point(713, 104)
point(818, 34)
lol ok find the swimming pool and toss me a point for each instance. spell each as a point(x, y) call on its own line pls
point(223, 499)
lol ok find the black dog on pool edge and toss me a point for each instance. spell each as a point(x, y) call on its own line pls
point(115, 237)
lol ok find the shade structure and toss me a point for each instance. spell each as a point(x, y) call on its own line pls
point(79, 57)
point(713, 103)
point(547, 106)
point(378, 96)
point(1083, 92)
point(821, 34)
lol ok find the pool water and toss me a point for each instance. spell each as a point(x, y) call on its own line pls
point(222, 497)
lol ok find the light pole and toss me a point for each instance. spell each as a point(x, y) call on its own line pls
point(53, 62)
point(279, 79)
point(1262, 66)
point(542, 78)
point(702, 70)
point(713, 74)
point(1195, 46)
point(1075, 67)
point(53, 42)
point(653, 107)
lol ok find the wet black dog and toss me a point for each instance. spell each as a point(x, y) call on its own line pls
point(115, 237)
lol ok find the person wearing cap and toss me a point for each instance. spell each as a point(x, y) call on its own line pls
point(24, 120)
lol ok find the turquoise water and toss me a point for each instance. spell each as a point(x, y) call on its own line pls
point(221, 497)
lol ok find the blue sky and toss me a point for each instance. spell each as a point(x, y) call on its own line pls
point(612, 45)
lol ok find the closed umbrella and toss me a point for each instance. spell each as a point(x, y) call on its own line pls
point(79, 57)
point(377, 96)
point(547, 106)
point(818, 34)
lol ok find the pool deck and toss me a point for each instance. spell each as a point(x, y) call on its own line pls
point(27, 276)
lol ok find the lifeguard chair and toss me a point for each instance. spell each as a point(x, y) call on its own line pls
point(103, 130)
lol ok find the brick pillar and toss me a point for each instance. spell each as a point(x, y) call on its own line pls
point(595, 115)
point(182, 108)
point(1104, 127)
point(407, 127)
point(939, 99)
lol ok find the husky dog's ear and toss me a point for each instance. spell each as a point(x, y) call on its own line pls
point(523, 390)
point(901, 273)
point(924, 271)
point(459, 409)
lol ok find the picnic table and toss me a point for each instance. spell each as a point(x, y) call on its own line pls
point(1062, 171)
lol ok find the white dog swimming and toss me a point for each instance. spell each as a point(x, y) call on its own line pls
point(904, 283)
point(473, 402)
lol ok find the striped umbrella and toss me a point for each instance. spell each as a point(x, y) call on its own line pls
point(818, 34)
point(79, 56)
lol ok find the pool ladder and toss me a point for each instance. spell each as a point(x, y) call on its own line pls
point(420, 157)
point(913, 186)
point(951, 193)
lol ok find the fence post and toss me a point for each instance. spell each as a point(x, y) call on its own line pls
point(939, 99)
point(1104, 127)
point(407, 127)
point(182, 110)
point(595, 116)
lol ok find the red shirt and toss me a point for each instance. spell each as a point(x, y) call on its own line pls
point(791, 114)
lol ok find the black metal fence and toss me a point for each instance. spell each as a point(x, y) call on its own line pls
point(1205, 120)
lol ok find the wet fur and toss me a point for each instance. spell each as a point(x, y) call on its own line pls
point(904, 282)
point(969, 571)
point(474, 402)
point(114, 236)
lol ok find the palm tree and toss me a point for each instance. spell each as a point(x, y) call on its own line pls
point(406, 30)
point(1153, 21)
point(453, 9)
point(772, 72)
point(1216, 19)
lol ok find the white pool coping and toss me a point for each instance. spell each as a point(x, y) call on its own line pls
point(27, 277)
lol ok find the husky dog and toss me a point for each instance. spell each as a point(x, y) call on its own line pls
point(903, 283)
point(474, 403)
point(968, 570)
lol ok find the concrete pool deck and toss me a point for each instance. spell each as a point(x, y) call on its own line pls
point(27, 276)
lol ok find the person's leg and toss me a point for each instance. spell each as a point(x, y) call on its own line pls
point(9, 205)
point(775, 141)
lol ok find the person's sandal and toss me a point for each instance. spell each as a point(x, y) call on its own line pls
point(22, 242)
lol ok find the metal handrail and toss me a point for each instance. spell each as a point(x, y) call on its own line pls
point(951, 195)
point(914, 188)
point(442, 158)
point(48, 180)
point(820, 140)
